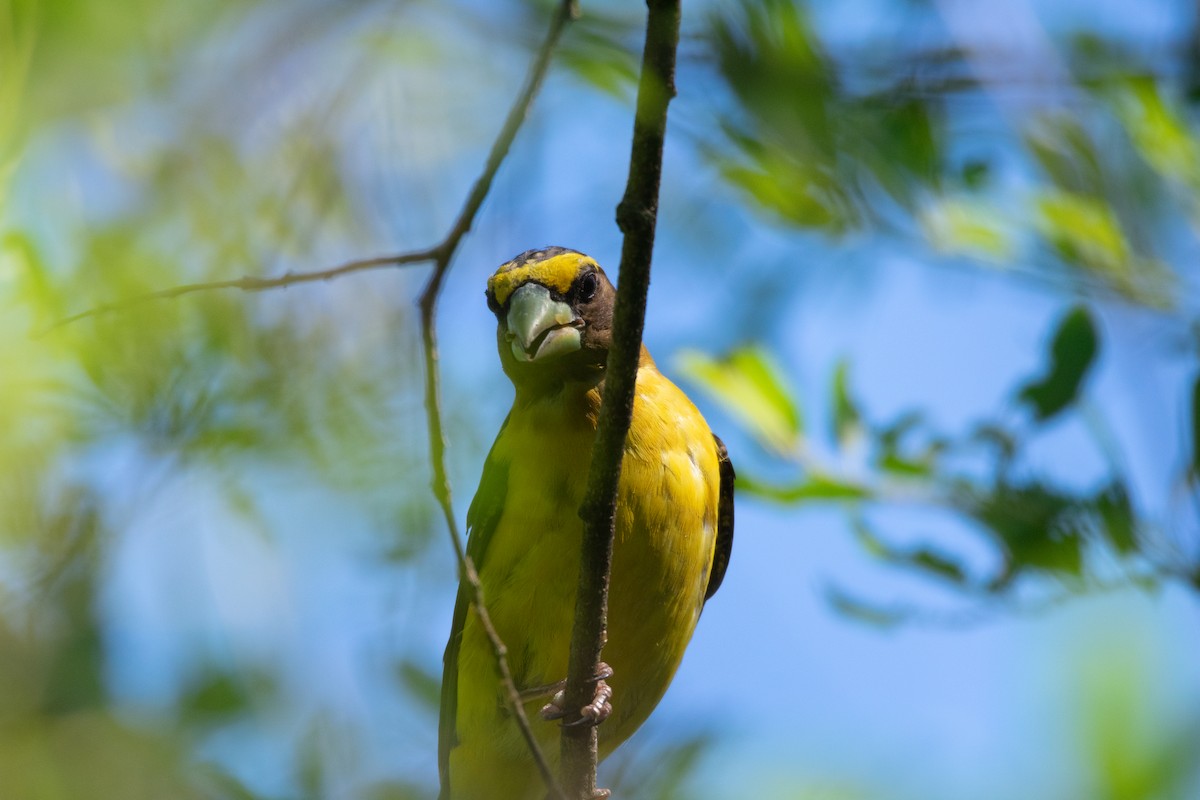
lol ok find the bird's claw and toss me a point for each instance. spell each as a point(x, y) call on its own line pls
point(594, 712)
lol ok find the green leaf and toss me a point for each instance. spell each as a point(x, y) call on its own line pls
point(747, 384)
point(815, 488)
point(1038, 528)
point(961, 226)
point(924, 559)
point(846, 418)
point(421, 684)
point(1084, 232)
point(861, 611)
point(220, 696)
point(907, 467)
point(1158, 132)
point(933, 561)
point(1072, 353)
point(1117, 518)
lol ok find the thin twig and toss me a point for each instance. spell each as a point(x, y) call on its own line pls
point(442, 255)
point(636, 216)
point(251, 283)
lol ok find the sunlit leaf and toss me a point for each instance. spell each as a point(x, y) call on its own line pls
point(1084, 232)
point(965, 227)
point(1159, 132)
point(1072, 352)
point(749, 386)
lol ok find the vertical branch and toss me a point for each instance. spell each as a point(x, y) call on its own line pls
point(636, 216)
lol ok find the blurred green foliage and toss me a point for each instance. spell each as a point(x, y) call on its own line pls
point(160, 144)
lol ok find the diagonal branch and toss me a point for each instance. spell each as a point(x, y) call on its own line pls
point(250, 283)
point(441, 255)
point(636, 216)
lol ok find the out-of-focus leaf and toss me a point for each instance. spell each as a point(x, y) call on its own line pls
point(921, 559)
point(976, 174)
point(1117, 518)
point(747, 384)
point(1072, 352)
point(1004, 442)
point(425, 687)
point(812, 488)
point(1038, 528)
point(786, 138)
point(599, 59)
point(1158, 132)
point(891, 435)
point(861, 611)
point(905, 155)
point(220, 696)
point(959, 226)
point(898, 465)
point(847, 421)
point(801, 194)
point(1084, 232)
point(1065, 151)
point(937, 563)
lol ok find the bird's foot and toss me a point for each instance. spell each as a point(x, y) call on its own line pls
point(594, 712)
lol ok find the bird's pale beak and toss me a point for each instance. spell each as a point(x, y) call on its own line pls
point(540, 326)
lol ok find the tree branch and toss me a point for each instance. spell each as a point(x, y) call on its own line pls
point(636, 216)
point(441, 255)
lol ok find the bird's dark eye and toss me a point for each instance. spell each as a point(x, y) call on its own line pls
point(587, 286)
point(491, 301)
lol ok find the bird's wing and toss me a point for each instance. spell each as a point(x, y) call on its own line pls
point(482, 519)
point(724, 521)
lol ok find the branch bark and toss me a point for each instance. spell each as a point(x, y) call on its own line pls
point(636, 216)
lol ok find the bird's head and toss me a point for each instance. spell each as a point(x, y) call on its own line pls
point(554, 310)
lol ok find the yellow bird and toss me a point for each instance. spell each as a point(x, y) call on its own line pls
point(674, 531)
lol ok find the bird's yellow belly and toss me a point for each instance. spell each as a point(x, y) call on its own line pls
point(664, 543)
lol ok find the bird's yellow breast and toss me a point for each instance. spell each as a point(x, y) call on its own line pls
point(665, 535)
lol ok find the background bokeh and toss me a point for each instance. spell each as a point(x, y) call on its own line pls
point(927, 266)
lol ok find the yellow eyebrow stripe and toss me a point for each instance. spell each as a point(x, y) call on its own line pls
point(556, 273)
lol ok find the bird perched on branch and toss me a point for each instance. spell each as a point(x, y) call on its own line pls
point(674, 530)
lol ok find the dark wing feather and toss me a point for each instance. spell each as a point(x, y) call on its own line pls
point(482, 518)
point(724, 521)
